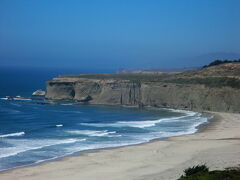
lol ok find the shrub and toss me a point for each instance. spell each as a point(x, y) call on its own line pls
point(217, 62)
point(196, 169)
point(201, 172)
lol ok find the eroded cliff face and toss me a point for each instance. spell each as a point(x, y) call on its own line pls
point(191, 97)
point(101, 91)
point(124, 92)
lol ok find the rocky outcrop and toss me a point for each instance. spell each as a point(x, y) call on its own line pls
point(195, 97)
point(39, 93)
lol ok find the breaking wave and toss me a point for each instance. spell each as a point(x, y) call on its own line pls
point(92, 133)
point(12, 134)
point(21, 146)
point(140, 124)
point(59, 125)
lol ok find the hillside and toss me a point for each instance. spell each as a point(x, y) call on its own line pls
point(221, 70)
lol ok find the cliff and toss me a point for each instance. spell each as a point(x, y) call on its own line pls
point(199, 90)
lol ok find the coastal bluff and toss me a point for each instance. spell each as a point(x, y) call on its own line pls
point(215, 88)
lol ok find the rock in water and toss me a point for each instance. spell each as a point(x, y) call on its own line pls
point(39, 93)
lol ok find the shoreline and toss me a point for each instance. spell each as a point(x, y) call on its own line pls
point(157, 147)
point(199, 128)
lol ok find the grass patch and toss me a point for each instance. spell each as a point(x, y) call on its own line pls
point(210, 81)
point(130, 77)
point(141, 78)
point(138, 78)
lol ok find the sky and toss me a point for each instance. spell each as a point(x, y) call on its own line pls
point(113, 34)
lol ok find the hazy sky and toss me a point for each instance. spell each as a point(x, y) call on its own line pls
point(118, 33)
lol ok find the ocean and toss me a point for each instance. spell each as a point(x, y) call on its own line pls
point(32, 132)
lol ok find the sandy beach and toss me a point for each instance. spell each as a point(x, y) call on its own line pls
point(217, 145)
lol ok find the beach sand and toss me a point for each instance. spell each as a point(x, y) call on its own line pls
point(217, 145)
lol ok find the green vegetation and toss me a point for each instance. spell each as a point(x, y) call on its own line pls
point(217, 62)
point(226, 77)
point(196, 169)
point(201, 172)
point(209, 81)
point(137, 78)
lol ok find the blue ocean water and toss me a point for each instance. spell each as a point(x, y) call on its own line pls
point(32, 132)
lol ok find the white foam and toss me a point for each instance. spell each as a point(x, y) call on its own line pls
point(78, 112)
point(137, 124)
point(193, 128)
point(141, 138)
point(92, 133)
point(103, 145)
point(17, 98)
point(4, 98)
point(12, 134)
point(190, 130)
point(20, 99)
point(163, 134)
point(59, 125)
point(27, 145)
point(67, 104)
point(189, 113)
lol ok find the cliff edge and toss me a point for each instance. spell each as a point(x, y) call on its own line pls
point(215, 88)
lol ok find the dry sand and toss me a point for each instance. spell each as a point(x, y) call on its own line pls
point(217, 145)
